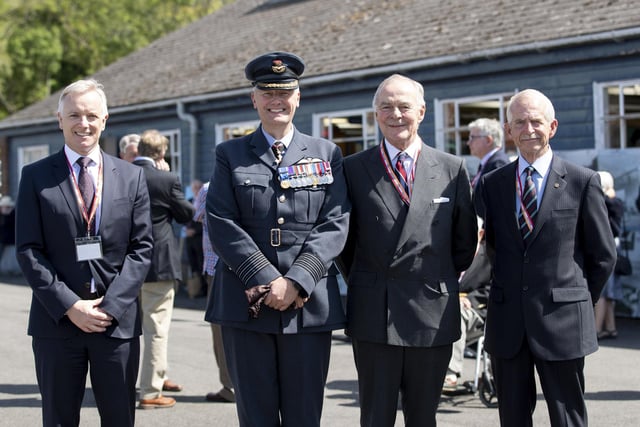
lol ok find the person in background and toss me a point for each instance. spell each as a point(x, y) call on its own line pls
point(84, 243)
point(475, 283)
point(193, 247)
point(413, 230)
point(551, 250)
point(612, 291)
point(158, 291)
point(129, 147)
point(225, 394)
point(7, 229)
point(485, 142)
point(277, 219)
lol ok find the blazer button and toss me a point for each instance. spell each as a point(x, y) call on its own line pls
point(87, 285)
point(282, 198)
point(280, 220)
point(525, 288)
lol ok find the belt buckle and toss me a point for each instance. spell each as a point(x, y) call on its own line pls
point(275, 237)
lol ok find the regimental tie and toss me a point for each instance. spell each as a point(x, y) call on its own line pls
point(403, 176)
point(528, 205)
point(85, 183)
point(278, 150)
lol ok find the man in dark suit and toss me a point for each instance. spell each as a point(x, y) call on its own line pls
point(84, 245)
point(485, 142)
point(552, 250)
point(278, 215)
point(158, 291)
point(412, 231)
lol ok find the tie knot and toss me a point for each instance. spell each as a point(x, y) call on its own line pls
point(530, 170)
point(83, 161)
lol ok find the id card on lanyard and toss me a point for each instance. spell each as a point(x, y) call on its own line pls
point(89, 247)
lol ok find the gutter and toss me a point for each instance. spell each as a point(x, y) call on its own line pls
point(540, 46)
point(193, 134)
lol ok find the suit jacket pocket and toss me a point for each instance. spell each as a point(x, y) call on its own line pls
point(252, 193)
point(569, 294)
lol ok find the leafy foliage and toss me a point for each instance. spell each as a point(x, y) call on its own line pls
point(50, 43)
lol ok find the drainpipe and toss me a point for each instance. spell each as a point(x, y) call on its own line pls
point(193, 134)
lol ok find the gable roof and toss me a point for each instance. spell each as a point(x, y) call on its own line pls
point(341, 38)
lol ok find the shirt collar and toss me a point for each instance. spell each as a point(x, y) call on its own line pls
point(412, 149)
point(72, 156)
point(541, 165)
point(488, 156)
point(286, 140)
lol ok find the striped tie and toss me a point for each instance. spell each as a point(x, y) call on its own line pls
point(402, 172)
point(528, 205)
point(278, 150)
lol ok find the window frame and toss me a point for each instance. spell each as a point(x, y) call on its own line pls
point(368, 138)
point(220, 129)
point(458, 128)
point(601, 119)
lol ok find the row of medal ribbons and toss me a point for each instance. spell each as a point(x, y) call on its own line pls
point(305, 174)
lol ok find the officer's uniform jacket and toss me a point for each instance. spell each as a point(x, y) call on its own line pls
point(261, 231)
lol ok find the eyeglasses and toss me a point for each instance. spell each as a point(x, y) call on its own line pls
point(472, 137)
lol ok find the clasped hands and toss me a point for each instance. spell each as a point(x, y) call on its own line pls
point(88, 316)
point(283, 294)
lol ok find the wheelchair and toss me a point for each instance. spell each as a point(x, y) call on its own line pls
point(483, 383)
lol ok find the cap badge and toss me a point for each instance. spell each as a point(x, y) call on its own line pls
point(278, 67)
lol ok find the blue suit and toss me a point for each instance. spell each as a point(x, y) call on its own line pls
point(48, 221)
point(541, 300)
point(262, 231)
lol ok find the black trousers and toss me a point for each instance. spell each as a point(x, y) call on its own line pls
point(562, 385)
point(61, 369)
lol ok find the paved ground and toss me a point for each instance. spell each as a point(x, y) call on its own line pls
point(612, 376)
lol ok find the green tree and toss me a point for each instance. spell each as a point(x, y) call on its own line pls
point(50, 43)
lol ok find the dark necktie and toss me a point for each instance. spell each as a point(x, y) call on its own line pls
point(403, 176)
point(528, 205)
point(278, 150)
point(85, 182)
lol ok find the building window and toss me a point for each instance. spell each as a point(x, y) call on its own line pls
point(228, 131)
point(173, 156)
point(617, 114)
point(453, 115)
point(31, 154)
point(352, 131)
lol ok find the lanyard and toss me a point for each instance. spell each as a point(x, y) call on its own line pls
point(394, 178)
point(88, 216)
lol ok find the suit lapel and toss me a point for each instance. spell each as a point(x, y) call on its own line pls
point(63, 176)
point(296, 149)
point(376, 172)
point(554, 187)
point(507, 182)
point(261, 149)
point(428, 170)
point(109, 171)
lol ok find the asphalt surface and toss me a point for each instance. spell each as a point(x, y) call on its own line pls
point(612, 377)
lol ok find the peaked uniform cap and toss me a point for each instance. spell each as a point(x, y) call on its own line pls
point(275, 70)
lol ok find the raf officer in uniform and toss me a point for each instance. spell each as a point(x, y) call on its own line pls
point(278, 215)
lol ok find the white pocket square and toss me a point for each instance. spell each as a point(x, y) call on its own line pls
point(441, 200)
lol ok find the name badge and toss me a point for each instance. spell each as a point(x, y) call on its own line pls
point(88, 248)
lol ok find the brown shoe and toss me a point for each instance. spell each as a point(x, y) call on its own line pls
point(158, 402)
point(171, 386)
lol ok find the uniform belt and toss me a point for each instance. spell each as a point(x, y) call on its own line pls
point(276, 236)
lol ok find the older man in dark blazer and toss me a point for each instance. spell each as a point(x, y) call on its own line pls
point(412, 231)
point(278, 215)
point(84, 245)
point(552, 250)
